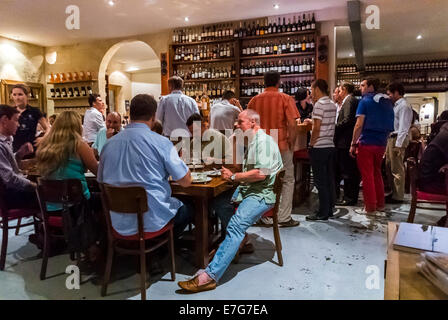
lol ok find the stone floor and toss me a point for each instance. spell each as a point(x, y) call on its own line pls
point(322, 260)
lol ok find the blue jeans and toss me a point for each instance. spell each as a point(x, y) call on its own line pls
point(249, 211)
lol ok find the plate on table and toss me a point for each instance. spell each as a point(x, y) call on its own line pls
point(201, 180)
point(213, 173)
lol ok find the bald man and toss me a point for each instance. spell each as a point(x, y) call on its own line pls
point(113, 126)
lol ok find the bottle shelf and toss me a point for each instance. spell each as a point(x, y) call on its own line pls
point(286, 75)
point(204, 61)
point(72, 98)
point(283, 55)
point(71, 82)
point(209, 80)
point(276, 35)
point(198, 43)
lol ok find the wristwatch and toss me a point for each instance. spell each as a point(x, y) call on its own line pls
point(233, 177)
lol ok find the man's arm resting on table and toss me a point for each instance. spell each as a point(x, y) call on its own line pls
point(185, 181)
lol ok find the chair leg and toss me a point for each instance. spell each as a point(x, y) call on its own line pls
point(173, 263)
point(19, 222)
point(142, 271)
point(78, 263)
point(4, 244)
point(107, 272)
point(413, 210)
point(43, 268)
point(278, 243)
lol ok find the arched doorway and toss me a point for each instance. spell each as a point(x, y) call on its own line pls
point(132, 67)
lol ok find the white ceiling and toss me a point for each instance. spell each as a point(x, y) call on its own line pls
point(42, 22)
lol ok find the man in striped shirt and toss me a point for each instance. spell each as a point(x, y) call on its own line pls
point(322, 150)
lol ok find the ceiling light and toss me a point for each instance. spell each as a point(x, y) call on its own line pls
point(276, 6)
point(419, 37)
point(187, 19)
point(351, 54)
point(132, 69)
point(111, 3)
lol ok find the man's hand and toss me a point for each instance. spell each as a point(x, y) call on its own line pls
point(33, 184)
point(110, 133)
point(226, 174)
point(236, 103)
point(353, 151)
point(25, 150)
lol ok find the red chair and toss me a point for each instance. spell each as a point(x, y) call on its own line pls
point(419, 196)
point(10, 214)
point(132, 200)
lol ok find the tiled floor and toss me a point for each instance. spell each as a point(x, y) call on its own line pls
point(326, 260)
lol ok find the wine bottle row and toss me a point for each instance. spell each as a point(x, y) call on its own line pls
point(290, 45)
point(213, 90)
point(71, 92)
point(196, 72)
point(289, 87)
point(404, 66)
point(346, 68)
point(204, 52)
point(284, 67)
point(229, 31)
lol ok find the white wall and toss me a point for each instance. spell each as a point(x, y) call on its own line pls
point(147, 83)
point(118, 77)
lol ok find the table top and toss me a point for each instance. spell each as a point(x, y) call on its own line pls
point(403, 281)
point(211, 189)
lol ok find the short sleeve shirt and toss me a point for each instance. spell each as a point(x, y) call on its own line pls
point(223, 115)
point(26, 132)
point(264, 154)
point(138, 156)
point(325, 110)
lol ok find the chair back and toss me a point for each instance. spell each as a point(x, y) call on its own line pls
point(127, 200)
point(278, 187)
point(412, 166)
point(66, 192)
point(3, 207)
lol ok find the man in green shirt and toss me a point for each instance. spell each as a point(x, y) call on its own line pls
point(254, 196)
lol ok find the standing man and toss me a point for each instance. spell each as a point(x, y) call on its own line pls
point(337, 99)
point(93, 119)
point(322, 150)
point(397, 143)
point(346, 164)
point(375, 120)
point(223, 115)
point(278, 111)
point(113, 126)
point(175, 109)
point(29, 118)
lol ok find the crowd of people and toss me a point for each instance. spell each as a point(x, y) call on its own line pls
point(349, 141)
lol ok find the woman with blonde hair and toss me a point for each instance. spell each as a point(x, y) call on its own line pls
point(61, 155)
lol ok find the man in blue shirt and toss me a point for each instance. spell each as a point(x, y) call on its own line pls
point(175, 109)
point(139, 156)
point(375, 121)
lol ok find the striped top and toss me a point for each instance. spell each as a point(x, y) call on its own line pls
point(325, 110)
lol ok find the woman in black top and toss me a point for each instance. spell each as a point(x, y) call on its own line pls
point(303, 104)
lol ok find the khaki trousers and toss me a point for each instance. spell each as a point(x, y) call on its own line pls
point(395, 167)
point(284, 211)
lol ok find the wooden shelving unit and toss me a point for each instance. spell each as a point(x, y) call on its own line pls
point(238, 43)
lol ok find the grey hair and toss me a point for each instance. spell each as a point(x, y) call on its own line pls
point(115, 114)
point(253, 115)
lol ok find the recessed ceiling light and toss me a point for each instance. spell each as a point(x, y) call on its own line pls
point(351, 54)
point(111, 3)
point(187, 19)
point(419, 37)
point(276, 6)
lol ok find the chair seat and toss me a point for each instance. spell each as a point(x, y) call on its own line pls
point(269, 213)
point(301, 155)
point(55, 221)
point(22, 213)
point(147, 235)
point(432, 197)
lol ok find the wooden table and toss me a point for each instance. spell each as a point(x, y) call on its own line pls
point(403, 281)
point(202, 194)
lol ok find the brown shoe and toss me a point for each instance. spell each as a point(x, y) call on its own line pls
point(290, 223)
point(192, 285)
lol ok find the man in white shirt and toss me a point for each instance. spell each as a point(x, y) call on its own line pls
point(224, 114)
point(397, 143)
point(337, 101)
point(175, 109)
point(93, 119)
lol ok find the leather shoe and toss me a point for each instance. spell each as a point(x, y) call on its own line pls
point(192, 285)
point(316, 218)
point(345, 203)
point(290, 223)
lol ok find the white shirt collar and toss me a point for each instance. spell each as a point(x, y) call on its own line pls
point(401, 101)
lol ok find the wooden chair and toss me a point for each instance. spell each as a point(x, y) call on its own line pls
point(302, 173)
point(132, 200)
point(66, 192)
point(9, 214)
point(419, 196)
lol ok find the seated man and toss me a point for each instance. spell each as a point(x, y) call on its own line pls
point(433, 163)
point(214, 147)
point(20, 191)
point(113, 126)
point(141, 157)
point(255, 196)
